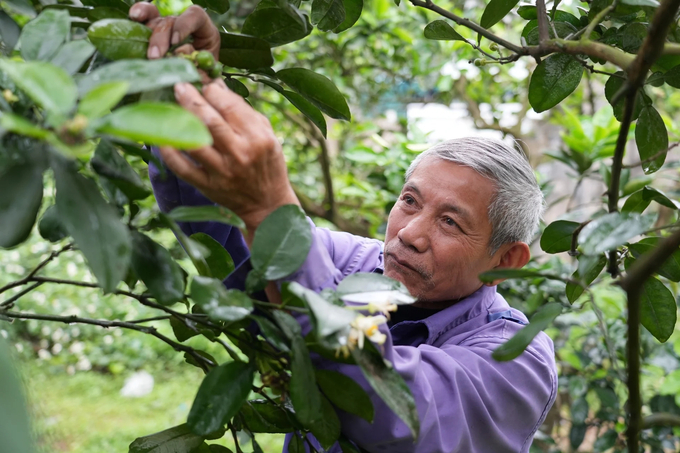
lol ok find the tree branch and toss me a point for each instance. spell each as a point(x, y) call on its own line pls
point(542, 16)
point(207, 363)
point(36, 269)
point(661, 419)
point(638, 273)
point(613, 192)
point(469, 24)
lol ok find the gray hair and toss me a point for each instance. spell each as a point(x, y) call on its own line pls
point(516, 208)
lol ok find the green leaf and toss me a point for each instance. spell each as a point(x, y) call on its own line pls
point(672, 77)
point(441, 30)
point(21, 191)
point(670, 268)
point(50, 225)
point(289, 326)
point(304, 394)
point(219, 6)
point(519, 342)
point(307, 109)
point(156, 123)
point(9, 32)
point(554, 79)
point(47, 85)
point(639, 200)
point(658, 310)
point(142, 75)
point(651, 138)
point(108, 163)
point(317, 89)
point(329, 319)
point(218, 302)
point(245, 52)
point(275, 26)
point(652, 3)
point(362, 282)
point(42, 36)
point(94, 224)
point(353, 9)
point(104, 12)
point(527, 12)
point(182, 330)
point(326, 429)
point(579, 410)
point(237, 87)
point(100, 100)
point(588, 270)
point(264, 417)
point(281, 243)
point(557, 236)
point(119, 39)
point(612, 230)
point(495, 274)
point(272, 333)
point(72, 56)
point(154, 265)
point(327, 14)
point(296, 445)
point(613, 86)
point(495, 11)
point(194, 249)
point(577, 433)
point(22, 7)
point(19, 125)
point(15, 430)
point(214, 448)
point(345, 393)
point(219, 261)
point(389, 385)
point(116, 4)
point(222, 392)
point(208, 213)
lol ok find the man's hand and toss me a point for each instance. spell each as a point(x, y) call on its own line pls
point(171, 30)
point(244, 170)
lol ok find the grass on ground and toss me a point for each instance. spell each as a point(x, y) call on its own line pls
point(84, 413)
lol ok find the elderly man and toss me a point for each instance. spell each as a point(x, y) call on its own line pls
point(467, 206)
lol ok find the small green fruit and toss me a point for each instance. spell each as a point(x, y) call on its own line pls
point(479, 62)
point(216, 70)
point(493, 46)
point(205, 60)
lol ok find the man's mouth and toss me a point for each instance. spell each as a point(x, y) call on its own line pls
point(402, 263)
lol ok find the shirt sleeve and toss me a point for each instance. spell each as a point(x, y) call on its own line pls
point(171, 192)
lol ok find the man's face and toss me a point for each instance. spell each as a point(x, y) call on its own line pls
point(438, 232)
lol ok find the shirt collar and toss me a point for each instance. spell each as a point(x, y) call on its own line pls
point(474, 305)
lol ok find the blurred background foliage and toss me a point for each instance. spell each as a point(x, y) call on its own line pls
point(349, 181)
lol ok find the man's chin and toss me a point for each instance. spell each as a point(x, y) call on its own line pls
point(400, 277)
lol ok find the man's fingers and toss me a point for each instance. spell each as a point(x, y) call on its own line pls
point(224, 136)
point(208, 157)
point(182, 166)
point(143, 12)
point(159, 43)
point(231, 106)
point(195, 21)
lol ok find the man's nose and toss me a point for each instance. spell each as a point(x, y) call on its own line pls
point(415, 234)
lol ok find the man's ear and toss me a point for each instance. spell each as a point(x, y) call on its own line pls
point(512, 256)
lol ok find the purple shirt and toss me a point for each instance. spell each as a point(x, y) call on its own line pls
point(467, 401)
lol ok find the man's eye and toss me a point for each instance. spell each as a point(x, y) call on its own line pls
point(449, 221)
point(408, 199)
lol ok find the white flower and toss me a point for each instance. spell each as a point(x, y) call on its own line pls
point(366, 327)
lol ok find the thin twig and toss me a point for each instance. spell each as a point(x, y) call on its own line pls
point(36, 269)
point(597, 19)
point(106, 324)
point(9, 303)
point(661, 419)
point(652, 158)
point(471, 25)
point(613, 193)
point(155, 318)
point(542, 16)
